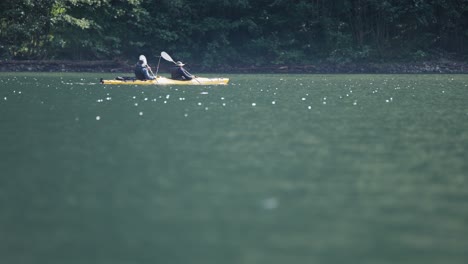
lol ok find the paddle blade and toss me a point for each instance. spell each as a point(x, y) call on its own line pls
point(143, 58)
point(166, 56)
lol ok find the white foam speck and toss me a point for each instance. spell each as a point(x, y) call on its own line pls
point(98, 118)
point(254, 104)
point(269, 203)
point(141, 113)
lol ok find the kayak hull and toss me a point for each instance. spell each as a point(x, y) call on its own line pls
point(167, 81)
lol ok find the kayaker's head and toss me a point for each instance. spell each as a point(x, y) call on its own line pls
point(141, 62)
point(179, 63)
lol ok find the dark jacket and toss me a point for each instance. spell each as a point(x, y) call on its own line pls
point(179, 73)
point(141, 72)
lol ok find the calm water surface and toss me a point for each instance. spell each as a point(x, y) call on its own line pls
point(269, 169)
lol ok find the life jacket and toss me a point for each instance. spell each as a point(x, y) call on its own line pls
point(139, 72)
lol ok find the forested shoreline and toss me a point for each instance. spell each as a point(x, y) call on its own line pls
point(238, 35)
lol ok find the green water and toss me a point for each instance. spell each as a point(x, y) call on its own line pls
point(269, 169)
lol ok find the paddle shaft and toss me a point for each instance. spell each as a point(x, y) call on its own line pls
point(149, 68)
point(157, 68)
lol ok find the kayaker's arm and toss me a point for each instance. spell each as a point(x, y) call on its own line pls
point(146, 73)
point(187, 74)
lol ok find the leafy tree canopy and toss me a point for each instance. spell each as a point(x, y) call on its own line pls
point(235, 32)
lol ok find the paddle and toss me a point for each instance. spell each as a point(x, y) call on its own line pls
point(157, 68)
point(149, 68)
point(166, 56)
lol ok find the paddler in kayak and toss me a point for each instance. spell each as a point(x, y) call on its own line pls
point(142, 69)
point(179, 73)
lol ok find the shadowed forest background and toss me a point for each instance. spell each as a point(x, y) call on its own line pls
point(236, 32)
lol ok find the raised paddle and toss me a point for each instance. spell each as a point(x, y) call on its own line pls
point(167, 57)
point(157, 69)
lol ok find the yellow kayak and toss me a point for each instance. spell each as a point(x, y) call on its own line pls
point(167, 81)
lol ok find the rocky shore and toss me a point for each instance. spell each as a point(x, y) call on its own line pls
point(324, 68)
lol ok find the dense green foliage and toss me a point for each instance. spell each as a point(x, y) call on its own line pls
point(235, 32)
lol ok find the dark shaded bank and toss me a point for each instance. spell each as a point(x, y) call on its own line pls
point(123, 66)
point(63, 66)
